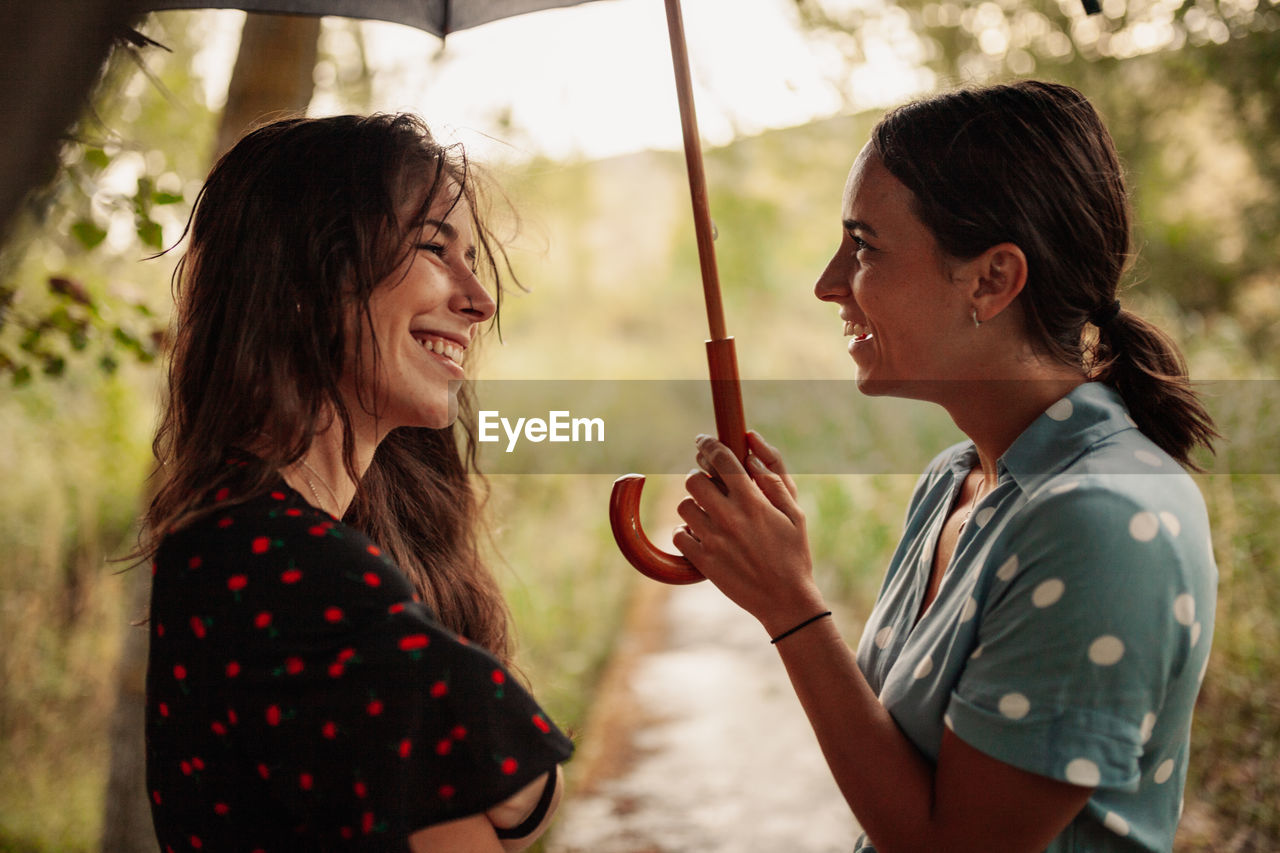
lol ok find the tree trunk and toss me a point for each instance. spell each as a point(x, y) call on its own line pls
point(52, 54)
point(273, 74)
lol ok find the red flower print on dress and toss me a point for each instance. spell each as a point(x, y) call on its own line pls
point(414, 642)
point(447, 792)
point(221, 809)
point(195, 562)
point(405, 748)
point(444, 746)
point(261, 544)
point(439, 689)
point(330, 730)
point(398, 607)
point(374, 708)
point(510, 766)
point(225, 522)
point(197, 627)
point(542, 724)
point(235, 583)
point(305, 781)
point(459, 732)
point(264, 771)
point(360, 789)
point(273, 715)
point(293, 665)
point(197, 762)
point(373, 549)
point(222, 494)
point(218, 728)
point(291, 575)
point(333, 614)
point(233, 669)
point(372, 579)
point(155, 797)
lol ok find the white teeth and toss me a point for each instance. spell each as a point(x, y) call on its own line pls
point(449, 350)
point(857, 330)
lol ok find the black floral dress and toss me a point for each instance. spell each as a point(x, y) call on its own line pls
point(299, 697)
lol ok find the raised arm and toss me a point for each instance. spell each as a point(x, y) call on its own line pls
point(752, 543)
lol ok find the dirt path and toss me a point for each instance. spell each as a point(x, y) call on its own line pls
point(698, 743)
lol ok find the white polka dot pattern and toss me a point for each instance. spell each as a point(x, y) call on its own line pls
point(1144, 526)
point(1008, 569)
point(1082, 771)
point(923, 668)
point(1048, 593)
point(1146, 457)
point(1060, 410)
point(1116, 824)
point(1015, 706)
point(883, 636)
point(1106, 650)
point(1164, 771)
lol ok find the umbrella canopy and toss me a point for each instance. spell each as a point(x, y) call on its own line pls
point(434, 16)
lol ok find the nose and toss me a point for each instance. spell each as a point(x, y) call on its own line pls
point(471, 299)
point(833, 285)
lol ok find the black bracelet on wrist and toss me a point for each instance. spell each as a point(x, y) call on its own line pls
point(536, 816)
point(805, 623)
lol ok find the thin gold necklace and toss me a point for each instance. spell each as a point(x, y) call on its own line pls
point(972, 505)
point(312, 486)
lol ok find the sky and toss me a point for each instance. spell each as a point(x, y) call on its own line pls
point(595, 80)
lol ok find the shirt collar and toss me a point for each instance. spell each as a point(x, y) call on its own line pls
point(1063, 432)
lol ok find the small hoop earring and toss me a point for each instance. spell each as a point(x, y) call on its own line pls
point(976, 321)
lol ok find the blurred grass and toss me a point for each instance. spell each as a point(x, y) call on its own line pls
point(607, 253)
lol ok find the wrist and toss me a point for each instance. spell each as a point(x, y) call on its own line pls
point(783, 618)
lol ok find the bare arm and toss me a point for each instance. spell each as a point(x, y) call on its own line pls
point(753, 545)
point(472, 834)
point(518, 810)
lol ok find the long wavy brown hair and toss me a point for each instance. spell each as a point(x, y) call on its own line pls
point(295, 226)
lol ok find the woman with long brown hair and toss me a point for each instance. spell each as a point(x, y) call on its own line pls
point(1027, 676)
point(329, 652)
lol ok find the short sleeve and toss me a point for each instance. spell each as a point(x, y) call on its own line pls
point(413, 726)
point(1079, 639)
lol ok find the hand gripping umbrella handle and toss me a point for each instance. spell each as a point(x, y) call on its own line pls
point(624, 503)
point(726, 393)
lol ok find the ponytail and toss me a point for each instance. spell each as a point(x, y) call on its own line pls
point(1144, 365)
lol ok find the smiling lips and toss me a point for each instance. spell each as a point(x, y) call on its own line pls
point(859, 332)
point(440, 346)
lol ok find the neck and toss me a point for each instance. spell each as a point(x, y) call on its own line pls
point(324, 476)
point(993, 413)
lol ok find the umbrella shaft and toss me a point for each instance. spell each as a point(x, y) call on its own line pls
point(697, 175)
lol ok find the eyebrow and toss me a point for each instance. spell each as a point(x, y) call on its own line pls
point(442, 227)
point(859, 225)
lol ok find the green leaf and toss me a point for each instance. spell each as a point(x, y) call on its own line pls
point(88, 233)
point(54, 365)
point(166, 198)
point(97, 158)
point(108, 363)
point(22, 376)
point(151, 234)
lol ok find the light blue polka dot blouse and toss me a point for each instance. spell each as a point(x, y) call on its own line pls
point(1071, 630)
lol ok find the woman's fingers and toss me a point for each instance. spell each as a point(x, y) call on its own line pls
point(769, 455)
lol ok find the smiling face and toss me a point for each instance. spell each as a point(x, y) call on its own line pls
point(904, 307)
point(420, 322)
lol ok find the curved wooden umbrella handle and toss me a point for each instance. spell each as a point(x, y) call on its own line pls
point(650, 560)
point(624, 502)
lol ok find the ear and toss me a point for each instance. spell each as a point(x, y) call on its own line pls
point(995, 278)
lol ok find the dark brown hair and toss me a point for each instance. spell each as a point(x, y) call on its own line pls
point(1032, 164)
point(296, 224)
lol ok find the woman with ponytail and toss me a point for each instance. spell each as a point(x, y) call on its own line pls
point(328, 663)
point(1027, 677)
